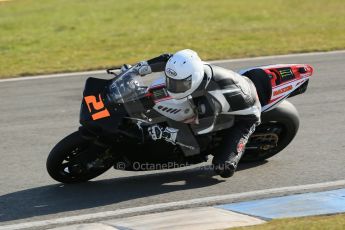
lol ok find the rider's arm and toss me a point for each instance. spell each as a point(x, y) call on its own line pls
point(156, 64)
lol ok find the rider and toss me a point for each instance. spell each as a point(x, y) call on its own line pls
point(214, 91)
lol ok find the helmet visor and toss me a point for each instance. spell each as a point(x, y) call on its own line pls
point(178, 86)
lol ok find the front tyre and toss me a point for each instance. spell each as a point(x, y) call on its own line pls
point(75, 160)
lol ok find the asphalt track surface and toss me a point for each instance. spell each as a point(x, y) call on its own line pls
point(36, 114)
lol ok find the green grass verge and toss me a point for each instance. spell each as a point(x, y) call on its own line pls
point(44, 36)
point(333, 222)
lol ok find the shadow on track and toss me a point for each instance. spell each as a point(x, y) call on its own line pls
point(58, 198)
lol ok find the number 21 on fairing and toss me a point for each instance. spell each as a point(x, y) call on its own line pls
point(101, 111)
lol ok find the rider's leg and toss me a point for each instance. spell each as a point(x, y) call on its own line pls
point(231, 149)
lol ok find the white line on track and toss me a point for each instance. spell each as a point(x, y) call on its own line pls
point(54, 76)
point(280, 56)
point(216, 61)
point(179, 204)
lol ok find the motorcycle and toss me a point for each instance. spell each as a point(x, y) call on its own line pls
point(117, 113)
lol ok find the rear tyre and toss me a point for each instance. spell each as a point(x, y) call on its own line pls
point(283, 123)
point(75, 160)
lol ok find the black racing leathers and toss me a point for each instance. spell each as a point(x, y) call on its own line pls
point(230, 94)
point(223, 93)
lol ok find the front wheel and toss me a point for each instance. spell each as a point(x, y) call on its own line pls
point(278, 128)
point(75, 160)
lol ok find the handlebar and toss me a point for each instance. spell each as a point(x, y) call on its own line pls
point(112, 70)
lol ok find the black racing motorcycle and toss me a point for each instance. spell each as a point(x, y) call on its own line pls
point(115, 115)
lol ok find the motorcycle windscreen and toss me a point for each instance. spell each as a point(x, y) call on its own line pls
point(127, 87)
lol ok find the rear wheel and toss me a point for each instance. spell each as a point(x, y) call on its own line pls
point(278, 128)
point(75, 160)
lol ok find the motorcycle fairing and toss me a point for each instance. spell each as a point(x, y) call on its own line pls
point(97, 113)
point(286, 84)
point(286, 80)
point(177, 110)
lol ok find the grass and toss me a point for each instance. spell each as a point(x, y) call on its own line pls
point(45, 36)
point(333, 222)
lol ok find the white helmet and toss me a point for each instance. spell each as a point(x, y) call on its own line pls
point(184, 72)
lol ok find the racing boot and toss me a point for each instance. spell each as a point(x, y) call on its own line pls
point(228, 167)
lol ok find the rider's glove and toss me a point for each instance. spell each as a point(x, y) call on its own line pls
point(142, 68)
